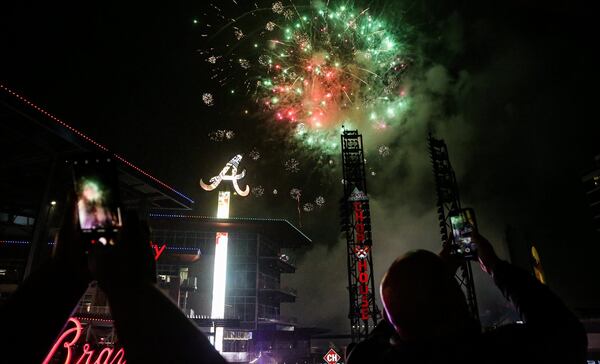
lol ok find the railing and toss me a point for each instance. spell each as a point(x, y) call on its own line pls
point(189, 284)
point(84, 308)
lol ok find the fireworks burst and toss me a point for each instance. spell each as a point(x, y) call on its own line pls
point(295, 193)
point(277, 7)
point(308, 207)
point(238, 33)
point(270, 26)
point(320, 201)
point(384, 151)
point(332, 66)
point(292, 165)
point(208, 99)
point(254, 154)
point(317, 68)
point(258, 191)
point(220, 135)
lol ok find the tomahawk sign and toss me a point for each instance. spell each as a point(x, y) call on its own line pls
point(223, 176)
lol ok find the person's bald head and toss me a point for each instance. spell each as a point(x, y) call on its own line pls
point(421, 297)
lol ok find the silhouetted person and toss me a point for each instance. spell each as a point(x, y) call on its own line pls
point(427, 310)
point(150, 327)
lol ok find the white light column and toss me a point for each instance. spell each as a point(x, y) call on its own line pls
point(220, 270)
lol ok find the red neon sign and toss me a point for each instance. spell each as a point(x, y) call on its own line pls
point(362, 253)
point(69, 338)
point(158, 251)
point(359, 225)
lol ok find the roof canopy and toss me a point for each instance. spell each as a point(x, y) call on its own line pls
point(32, 139)
point(278, 230)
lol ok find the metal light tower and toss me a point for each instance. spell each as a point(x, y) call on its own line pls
point(356, 223)
point(448, 201)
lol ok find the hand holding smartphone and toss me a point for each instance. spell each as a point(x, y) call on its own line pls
point(97, 196)
point(464, 226)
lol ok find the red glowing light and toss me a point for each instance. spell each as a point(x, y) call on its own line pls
point(158, 251)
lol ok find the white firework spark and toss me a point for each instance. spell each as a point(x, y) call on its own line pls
point(277, 7)
point(295, 193)
point(292, 165)
point(258, 191)
point(288, 14)
point(208, 99)
point(244, 63)
point(238, 33)
point(270, 26)
point(320, 201)
point(254, 154)
point(308, 207)
point(384, 151)
point(264, 60)
point(220, 135)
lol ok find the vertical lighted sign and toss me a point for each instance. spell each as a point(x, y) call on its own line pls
point(220, 270)
point(228, 173)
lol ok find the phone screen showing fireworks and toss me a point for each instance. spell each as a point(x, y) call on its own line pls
point(98, 205)
point(463, 226)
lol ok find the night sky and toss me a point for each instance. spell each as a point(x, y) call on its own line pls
point(511, 86)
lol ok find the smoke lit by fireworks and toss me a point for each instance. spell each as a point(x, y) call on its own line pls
point(316, 67)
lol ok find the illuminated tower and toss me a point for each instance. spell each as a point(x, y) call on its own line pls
point(228, 173)
point(356, 223)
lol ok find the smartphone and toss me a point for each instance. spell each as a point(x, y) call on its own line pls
point(463, 226)
point(97, 195)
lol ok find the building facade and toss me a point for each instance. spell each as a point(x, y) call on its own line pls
point(260, 252)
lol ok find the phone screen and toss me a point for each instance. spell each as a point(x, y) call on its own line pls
point(463, 226)
point(98, 204)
